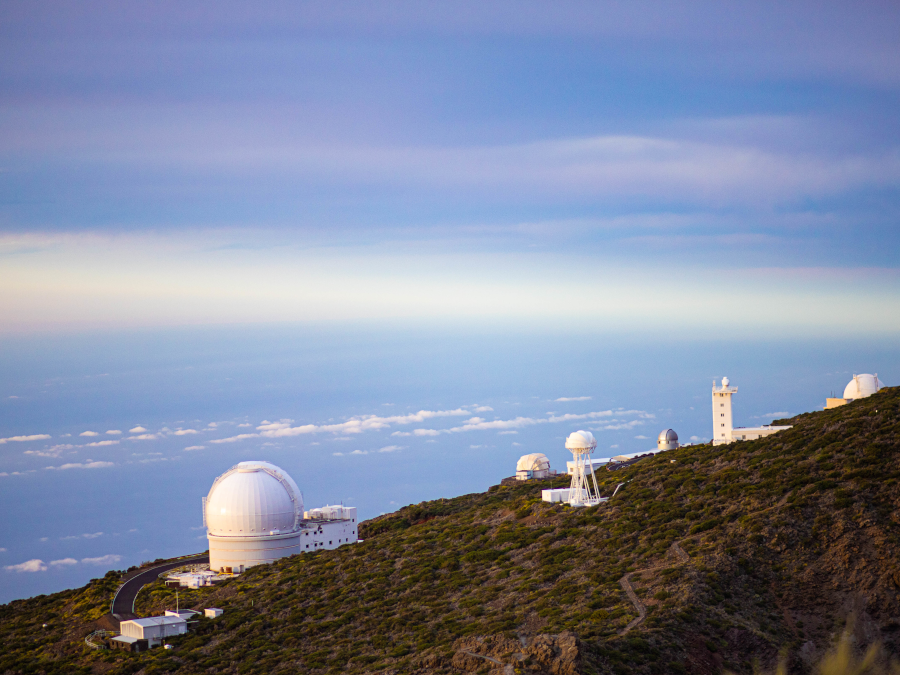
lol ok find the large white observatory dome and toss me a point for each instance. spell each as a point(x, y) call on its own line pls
point(581, 440)
point(253, 499)
point(862, 385)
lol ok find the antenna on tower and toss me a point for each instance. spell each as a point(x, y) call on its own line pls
point(582, 492)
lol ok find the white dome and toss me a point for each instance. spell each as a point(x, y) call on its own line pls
point(667, 440)
point(536, 461)
point(253, 498)
point(581, 440)
point(725, 382)
point(862, 385)
point(667, 436)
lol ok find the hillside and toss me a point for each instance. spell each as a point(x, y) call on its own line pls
point(734, 554)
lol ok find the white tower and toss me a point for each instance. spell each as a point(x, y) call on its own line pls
point(721, 411)
point(582, 444)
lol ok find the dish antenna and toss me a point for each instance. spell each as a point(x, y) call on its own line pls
point(582, 444)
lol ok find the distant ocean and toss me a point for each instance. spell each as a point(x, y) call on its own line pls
point(113, 500)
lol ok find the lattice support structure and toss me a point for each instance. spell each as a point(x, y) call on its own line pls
point(583, 490)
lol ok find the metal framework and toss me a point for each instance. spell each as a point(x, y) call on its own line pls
point(583, 491)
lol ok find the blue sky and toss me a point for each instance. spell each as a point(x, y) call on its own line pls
point(234, 214)
point(373, 149)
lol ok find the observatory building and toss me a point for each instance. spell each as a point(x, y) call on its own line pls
point(723, 431)
point(667, 440)
point(254, 514)
point(535, 465)
point(860, 386)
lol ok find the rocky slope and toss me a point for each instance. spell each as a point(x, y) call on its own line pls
point(707, 559)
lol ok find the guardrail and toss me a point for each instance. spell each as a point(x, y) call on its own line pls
point(94, 640)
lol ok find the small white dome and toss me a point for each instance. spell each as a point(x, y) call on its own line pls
point(667, 440)
point(581, 440)
point(667, 436)
point(536, 461)
point(253, 498)
point(862, 385)
point(725, 382)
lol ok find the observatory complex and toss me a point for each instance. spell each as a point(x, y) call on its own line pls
point(860, 386)
point(254, 514)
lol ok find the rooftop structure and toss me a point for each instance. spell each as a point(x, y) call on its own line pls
point(860, 386)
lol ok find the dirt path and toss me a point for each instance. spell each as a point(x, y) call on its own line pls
point(683, 558)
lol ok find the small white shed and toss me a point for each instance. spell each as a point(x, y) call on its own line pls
point(154, 629)
point(213, 612)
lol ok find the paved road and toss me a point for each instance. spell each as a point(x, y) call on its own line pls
point(123, 604)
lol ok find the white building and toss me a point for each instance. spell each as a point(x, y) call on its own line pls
point(861, 386)
point(535, 465)
point(667, 440)
point(154, 629)
point(595, 464)
point(723, 429)
point(254, 515)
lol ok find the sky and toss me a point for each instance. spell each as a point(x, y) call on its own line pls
point(217, 213)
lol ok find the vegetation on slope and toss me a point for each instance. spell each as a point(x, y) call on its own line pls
point(785, 538)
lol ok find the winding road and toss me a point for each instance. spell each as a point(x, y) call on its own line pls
point(122, 607)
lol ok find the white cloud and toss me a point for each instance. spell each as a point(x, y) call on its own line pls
point(360, 452)
point(504, 433)
point(34, 565)
point(185, 432)
point(401, 433)
point(234, 439)
point(391, 448)
point(355, 425)
point(64, 561)
point(194, 447)
point(110, 559)
point(92, 536)
point(697, 438)
point(2, 550)
point(137, 430)
point(85, 465)
point(12, 397)
point(54, 451)
point(484, 408)
point(113, 432)
point(771, 415)
point(516, 445)
point(100, 444)
point(212, 425)
point(338, 454)
point(143, 437)
point(565, 399)
point(641, 438)
point(241, 426)
point(19, 439)
point(88, 433)
point(478, 424)
point(614, 446)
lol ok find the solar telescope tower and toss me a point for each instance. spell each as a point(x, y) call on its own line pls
point(583, 491)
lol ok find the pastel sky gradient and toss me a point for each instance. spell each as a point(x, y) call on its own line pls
point(609, 164)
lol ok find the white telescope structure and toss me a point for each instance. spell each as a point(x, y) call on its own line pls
point(583, 491)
